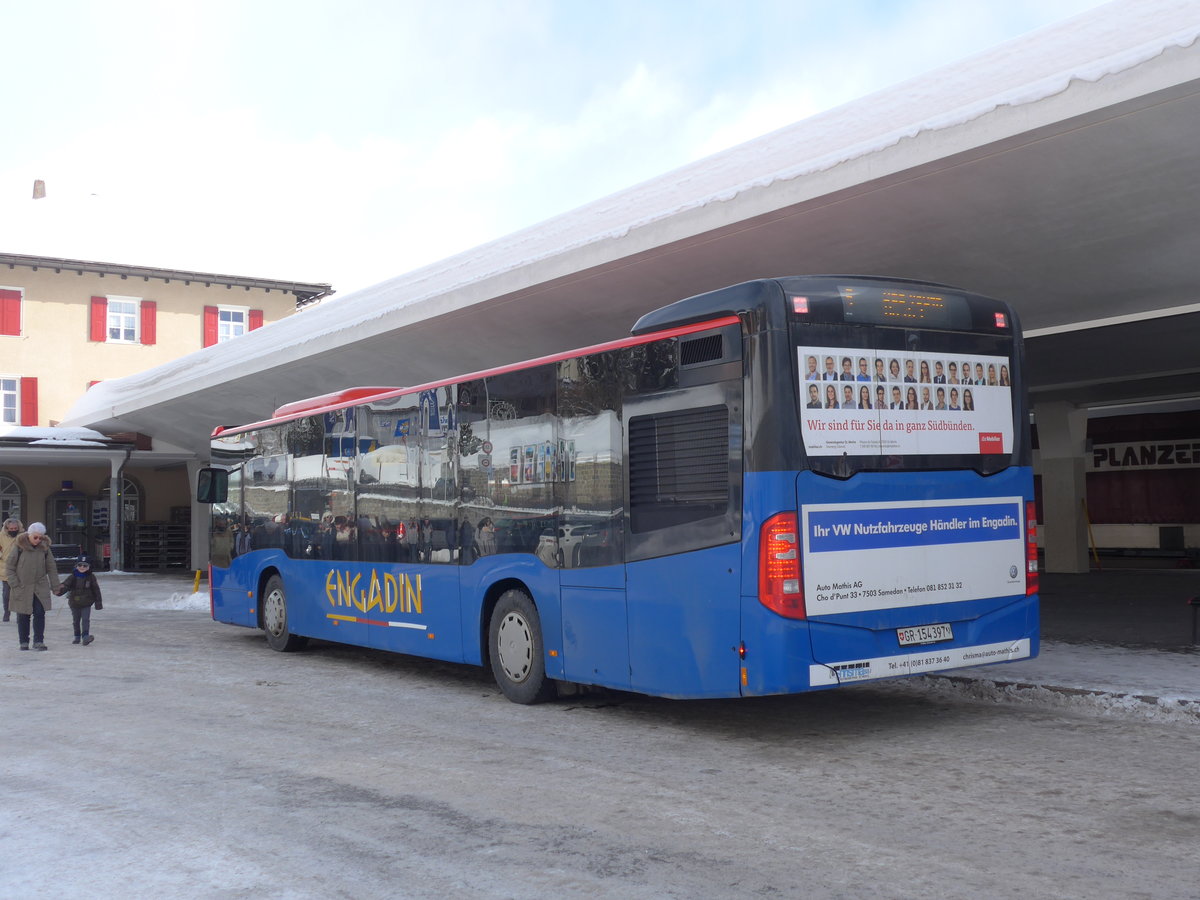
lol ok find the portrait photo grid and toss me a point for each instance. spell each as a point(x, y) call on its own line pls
point(866, 402)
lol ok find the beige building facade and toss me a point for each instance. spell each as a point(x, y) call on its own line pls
point(68, 324)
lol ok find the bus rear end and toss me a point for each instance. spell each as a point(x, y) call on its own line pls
point(889, 497)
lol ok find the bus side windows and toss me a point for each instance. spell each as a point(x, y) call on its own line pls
point(590, 474)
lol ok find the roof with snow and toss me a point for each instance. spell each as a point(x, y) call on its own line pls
point(1053, 171)
point(65, 446)
point(305, 292)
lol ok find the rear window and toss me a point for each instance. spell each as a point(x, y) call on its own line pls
point(874, 397)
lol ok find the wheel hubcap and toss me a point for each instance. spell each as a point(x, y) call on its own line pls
point(274, 613)
point(514, 645)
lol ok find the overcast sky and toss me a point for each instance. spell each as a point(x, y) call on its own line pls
point(351, 141)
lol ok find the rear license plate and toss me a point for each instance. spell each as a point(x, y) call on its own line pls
point(925, 634)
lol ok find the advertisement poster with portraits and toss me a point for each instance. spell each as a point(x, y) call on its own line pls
point(859, 402)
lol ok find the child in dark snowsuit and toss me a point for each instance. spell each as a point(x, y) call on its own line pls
point(83, 591)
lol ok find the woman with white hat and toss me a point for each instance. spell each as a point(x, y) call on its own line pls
point(32, 577)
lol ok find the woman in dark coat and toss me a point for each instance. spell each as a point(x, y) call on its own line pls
point(32, 577)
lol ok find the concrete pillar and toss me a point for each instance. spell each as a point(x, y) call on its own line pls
point(116, 510)
point(1062, 441)
point(201, 514)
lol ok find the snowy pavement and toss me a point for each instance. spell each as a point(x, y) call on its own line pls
point(1157, 684)
point(1153, 684)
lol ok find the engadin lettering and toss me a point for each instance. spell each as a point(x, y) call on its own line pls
point(387, 593)
point(1006, 522)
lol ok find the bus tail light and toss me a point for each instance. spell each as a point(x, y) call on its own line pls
point(1031, 551)
point(779, 586)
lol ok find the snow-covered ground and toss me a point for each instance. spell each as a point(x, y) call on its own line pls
point(1154, 684)
point(180, 759)
point(137, 590)
point(1151, 684)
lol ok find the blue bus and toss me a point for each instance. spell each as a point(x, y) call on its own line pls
point(783, 485)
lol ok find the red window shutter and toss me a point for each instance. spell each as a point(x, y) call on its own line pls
point(256, 319)
point(210, 325)
point(10, 312)
point(99, 319)
point(29, 410)
point(149, 317)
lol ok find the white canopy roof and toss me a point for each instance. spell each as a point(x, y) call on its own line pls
point(1054, 171)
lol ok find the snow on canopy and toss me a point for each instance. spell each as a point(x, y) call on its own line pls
point(1016, 74)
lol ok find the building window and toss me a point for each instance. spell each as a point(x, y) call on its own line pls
point(10, 401)
point(123, 320)
point(18, 400)
point(131, 499)
point(231, 322)
point(12, 497)
point(223, 323)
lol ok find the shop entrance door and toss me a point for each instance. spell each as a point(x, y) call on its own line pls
point(67, 523)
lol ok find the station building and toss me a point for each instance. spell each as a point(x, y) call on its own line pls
point(67, 325)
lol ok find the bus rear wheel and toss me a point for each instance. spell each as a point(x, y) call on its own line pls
point(275, 618)
point(516, 650)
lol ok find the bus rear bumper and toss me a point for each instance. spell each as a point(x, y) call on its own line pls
point(784, 656)
point(927, 659)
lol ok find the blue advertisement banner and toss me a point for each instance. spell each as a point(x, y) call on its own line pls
point(867, 529)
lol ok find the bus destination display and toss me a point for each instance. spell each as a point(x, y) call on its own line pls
point(889, 306)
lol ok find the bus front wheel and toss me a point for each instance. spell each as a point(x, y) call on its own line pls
point(275, 618)
point(517, 654)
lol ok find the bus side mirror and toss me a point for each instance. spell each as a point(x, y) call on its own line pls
point(212, 486)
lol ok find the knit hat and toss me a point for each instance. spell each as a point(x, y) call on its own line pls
point(83, 560)
point(37, 528)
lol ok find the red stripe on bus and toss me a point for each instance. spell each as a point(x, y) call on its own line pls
point(291, 411)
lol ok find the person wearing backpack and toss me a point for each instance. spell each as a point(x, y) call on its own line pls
point(83, 592)
point(32, 577)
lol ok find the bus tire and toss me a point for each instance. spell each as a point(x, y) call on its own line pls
point(516, 650)
point(275, 618)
